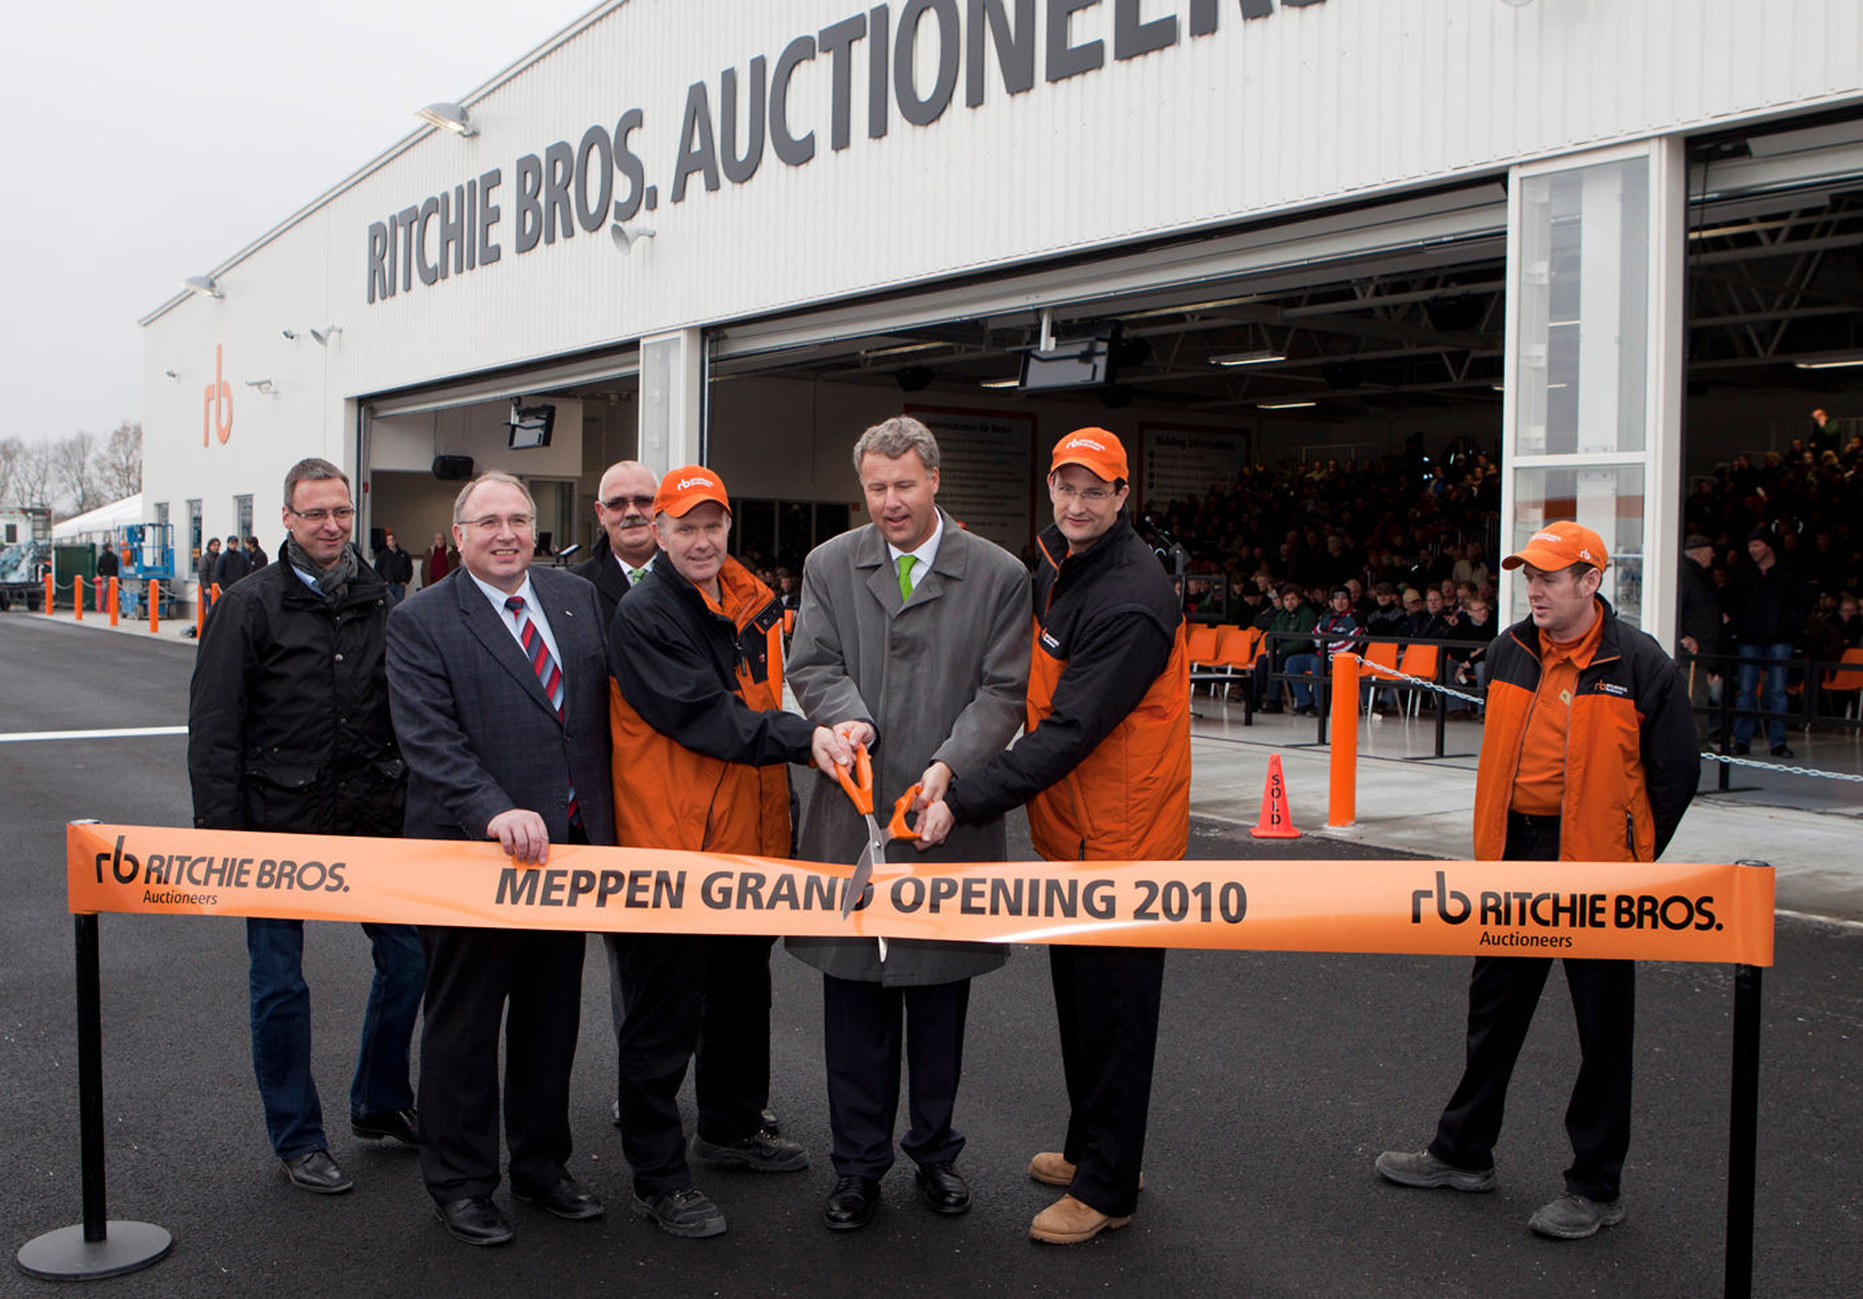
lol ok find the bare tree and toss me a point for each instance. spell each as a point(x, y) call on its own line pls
point(119, 462)
point(32, 475)
point(73, 473)
point(10, 451)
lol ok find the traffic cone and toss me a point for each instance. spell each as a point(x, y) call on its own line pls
point(1276, 821)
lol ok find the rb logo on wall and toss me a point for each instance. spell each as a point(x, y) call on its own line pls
point(217, 408)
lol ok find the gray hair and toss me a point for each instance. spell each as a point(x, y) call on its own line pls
point(311, 469)
point(490, 476)
point(892, 438)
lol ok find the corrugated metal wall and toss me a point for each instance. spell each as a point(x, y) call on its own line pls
point(1307, 106)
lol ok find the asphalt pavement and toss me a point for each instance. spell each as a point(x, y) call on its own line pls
point(1280, 1077)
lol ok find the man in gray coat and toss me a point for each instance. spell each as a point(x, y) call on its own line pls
point(912, 637)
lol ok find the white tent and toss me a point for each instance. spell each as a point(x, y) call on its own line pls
point(93, 524)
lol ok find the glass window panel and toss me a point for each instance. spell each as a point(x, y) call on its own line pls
point(1582, 295)
point(1607, 500)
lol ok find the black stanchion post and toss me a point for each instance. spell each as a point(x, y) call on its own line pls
point(1728, 678)
point(1743, 1127)
point(96, 1248)
point(1440, 700)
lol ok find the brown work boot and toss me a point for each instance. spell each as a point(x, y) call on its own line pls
point(1069, 1222)
point(1051, 1168)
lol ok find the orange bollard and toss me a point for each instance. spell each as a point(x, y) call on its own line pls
point(48, 593)
point(155, 617)
point(1342, 776)
point(115, 601)
point(1276, 822)
point(77, 597)
point(200, 609)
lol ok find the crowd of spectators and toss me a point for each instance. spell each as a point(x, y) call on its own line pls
point(1413, 544)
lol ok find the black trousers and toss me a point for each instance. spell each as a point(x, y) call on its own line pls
point(532, 980)
point(1503, 993)
point(685, 994)
point(865, 1025)
point(1106, 1000)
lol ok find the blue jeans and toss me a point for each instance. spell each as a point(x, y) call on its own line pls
point(1778, 656)
point(1309, 665)
point(281, 1038)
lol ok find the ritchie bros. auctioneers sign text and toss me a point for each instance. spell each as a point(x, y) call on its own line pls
point(1635, 911)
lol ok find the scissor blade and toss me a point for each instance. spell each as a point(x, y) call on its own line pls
point(857, 883)
point(863, 868)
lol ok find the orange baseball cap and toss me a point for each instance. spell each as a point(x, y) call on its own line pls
point(688, 486)
point(1095, 450)
point(1561, 545)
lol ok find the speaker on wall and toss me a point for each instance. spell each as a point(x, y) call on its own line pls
point(452, 469)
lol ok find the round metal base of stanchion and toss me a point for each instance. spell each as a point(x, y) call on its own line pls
point(64, 1255)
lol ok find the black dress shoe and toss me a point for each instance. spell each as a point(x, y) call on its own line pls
point(852, 1203)
point(317, 1173)
point(475, 1220)
point(1782, 751)
point(944, 1189)
point(565, 1197)
point(402, 1126)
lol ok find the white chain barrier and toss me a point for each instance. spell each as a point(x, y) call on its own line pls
point(1418, 682)
point(1732, 761)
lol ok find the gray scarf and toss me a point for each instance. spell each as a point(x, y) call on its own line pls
point(333, 582)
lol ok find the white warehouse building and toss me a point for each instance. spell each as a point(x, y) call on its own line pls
point(1613, 241)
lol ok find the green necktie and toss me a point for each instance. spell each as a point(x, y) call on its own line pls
point(905, 576)
point(634, 575)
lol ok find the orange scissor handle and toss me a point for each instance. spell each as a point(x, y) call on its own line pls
point(859, 786)
point(897, 827)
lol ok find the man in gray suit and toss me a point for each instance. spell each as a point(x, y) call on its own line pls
point(913, 638)
point(498, 679)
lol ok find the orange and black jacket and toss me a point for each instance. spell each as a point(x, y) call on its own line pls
point(1631, 759)
point(1105, 764)
point(696, 708)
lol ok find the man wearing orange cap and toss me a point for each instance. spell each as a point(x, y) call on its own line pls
point(1105, 770)
point(700, 746)
point(1571, 691)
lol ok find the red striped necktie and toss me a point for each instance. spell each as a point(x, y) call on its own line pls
point(551, 676)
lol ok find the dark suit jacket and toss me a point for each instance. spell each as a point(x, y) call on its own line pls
point(610, 582)
point(477, 732)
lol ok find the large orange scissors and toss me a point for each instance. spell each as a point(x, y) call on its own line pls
point(859, 786)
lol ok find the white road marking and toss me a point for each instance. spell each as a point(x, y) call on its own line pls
point(123, 733)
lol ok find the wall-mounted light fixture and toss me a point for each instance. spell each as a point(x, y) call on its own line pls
point(625, 239)
point(448, 117)
point(203, 285)
point(324, 335)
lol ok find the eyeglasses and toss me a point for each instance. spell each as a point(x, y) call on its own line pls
point(342, 514)
point(1092, 495)
point(501, 522)
point(617, 503)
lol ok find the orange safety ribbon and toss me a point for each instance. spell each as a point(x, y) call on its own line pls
point(1631, 911)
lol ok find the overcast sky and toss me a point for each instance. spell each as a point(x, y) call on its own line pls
point(145, 142)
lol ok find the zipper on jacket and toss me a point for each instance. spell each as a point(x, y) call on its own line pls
point(1630, 833)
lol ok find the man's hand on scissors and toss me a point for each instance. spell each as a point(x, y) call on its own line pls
point(935, 822)
point(830, 750)
point(932, 785)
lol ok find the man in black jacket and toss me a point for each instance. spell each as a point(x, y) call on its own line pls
point(288, 730)
point(395, 566)
point(232, 565)
point(1698, 625)
point(624, 552)
point(1769, 602)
